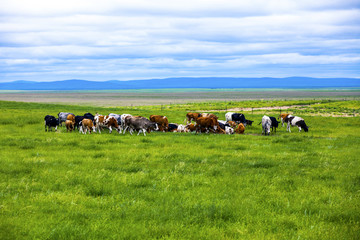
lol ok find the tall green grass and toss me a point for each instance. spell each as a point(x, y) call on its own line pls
point(59, 185)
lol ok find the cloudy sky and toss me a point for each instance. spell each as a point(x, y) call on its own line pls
point(44, 40)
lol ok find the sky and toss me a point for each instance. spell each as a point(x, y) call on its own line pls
point(47, 40)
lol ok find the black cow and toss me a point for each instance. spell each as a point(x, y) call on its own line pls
point(89, 116)
point(50, 122)
point(274, 123)
point(172, 127)
point(78, 120)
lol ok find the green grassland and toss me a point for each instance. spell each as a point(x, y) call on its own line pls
point(59, 185)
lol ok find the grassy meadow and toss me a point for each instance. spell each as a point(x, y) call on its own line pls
point(60, 185)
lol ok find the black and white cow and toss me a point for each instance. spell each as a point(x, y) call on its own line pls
point(63, 116)
point(50, 122)
point(296, 121)
point(266, 124)
point(223, 124)
point(236, 117)
point(274, 123)
point(140, 124)
point(172, 127)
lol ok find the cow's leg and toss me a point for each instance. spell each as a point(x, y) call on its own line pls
point(299, 129)
point(288, 127)
point(110, 129)
point(125, 129)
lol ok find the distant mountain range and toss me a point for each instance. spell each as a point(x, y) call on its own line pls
point(186, 82)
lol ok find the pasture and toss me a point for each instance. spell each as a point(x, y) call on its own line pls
point(60, 185)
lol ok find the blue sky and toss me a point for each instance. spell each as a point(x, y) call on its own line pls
point(42, 40)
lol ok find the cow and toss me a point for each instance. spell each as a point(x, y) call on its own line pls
point(172, 127)
point(87, 125)
point(181, 128)
point(236, 117)
point(229, 130)
point(249, 122)
point(99, 122)
point(190, 127)
point(111, 122)
point(117, 117)
point(89, 116)
point(140, 124)
point(50, 122)
point(71, 118)
point(192, 116)
point(274, 123)
point(206, 123)
point(240, 129)
point(210, 115)
point(266, 124)
point(70, 125)
point(122, 118)
point(62, 116)
point(232, 124)
point(296, 121)
point(223, 124)
point(283, 117)
point(78, 119)
point(162, 122)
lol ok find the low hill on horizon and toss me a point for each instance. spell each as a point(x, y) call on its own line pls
point(185, 82)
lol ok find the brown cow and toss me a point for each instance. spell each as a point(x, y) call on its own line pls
point(162, 122)
point(207, 123)
point(209, 115)
point(111, 122)
point(240, 129)
point(87, 125)
point(190, 127)
point(232, 124)
point(70, 125)
point(71, 118)
point(192, 116)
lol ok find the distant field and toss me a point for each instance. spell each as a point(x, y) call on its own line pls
point(59, 185)
point(171, 96)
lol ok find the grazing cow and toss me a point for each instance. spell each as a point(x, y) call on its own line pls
point(140, 124)
point(63, 117)
point(50, 122)
point(117, 117)
point(172, 127)
point(111, 122)
point(181, 128)
point(229, 130)
point(70, 117)
point(70, 125)
point(207, 123)
point(236, 117)
point(223, 124)
point(162, 122)
point(87, 125)
point(274, 123)
point(192, 116)
point(78, 119)
point(232, 124)
point(240, 129)
point(209, 115)
point(283, 118)
point(190, 127)
point(296, 121)
point(249, 122)
point(266, 124)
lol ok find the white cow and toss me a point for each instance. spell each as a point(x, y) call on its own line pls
point(266, 124)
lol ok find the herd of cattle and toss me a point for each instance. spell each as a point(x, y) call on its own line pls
point(203, 122)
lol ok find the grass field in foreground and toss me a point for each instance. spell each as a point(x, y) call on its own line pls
point(178, 185)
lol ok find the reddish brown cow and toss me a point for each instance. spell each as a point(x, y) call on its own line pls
point(69, 125)
point(209, 115)
point(162, 122)
point(192, 116)
point(111, 122)
point(232, 124)
point(71, 118)
point(240, 129)
point(190, 127)
point(87, 125)
point(207, 123)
